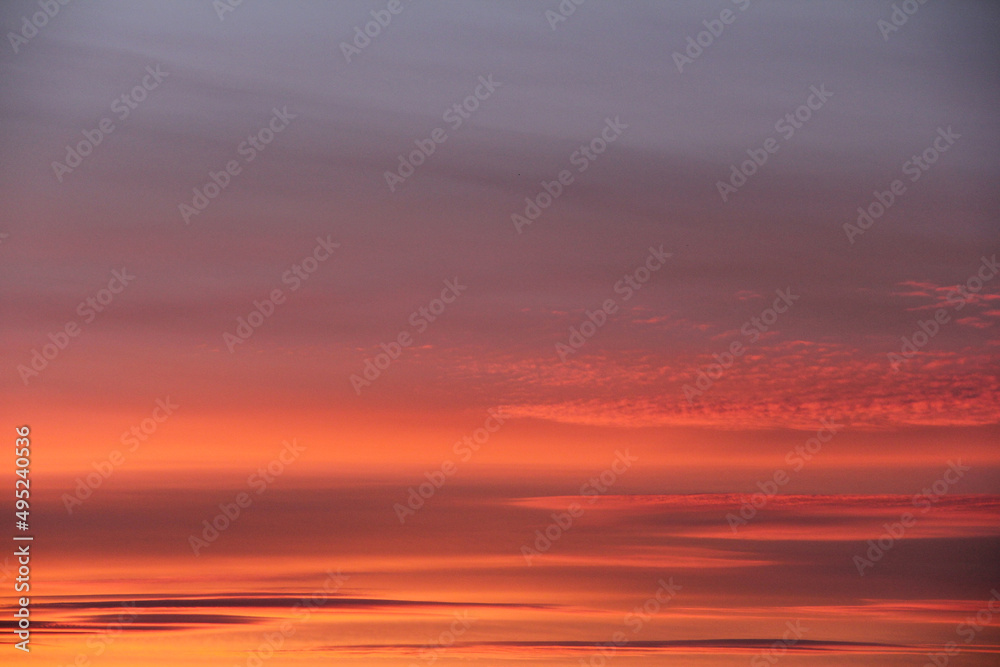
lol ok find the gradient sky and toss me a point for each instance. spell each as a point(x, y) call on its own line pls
point(495, 347)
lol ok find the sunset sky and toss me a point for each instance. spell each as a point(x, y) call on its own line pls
point(516, 333)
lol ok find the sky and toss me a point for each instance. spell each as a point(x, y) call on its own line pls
point(490, 323)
